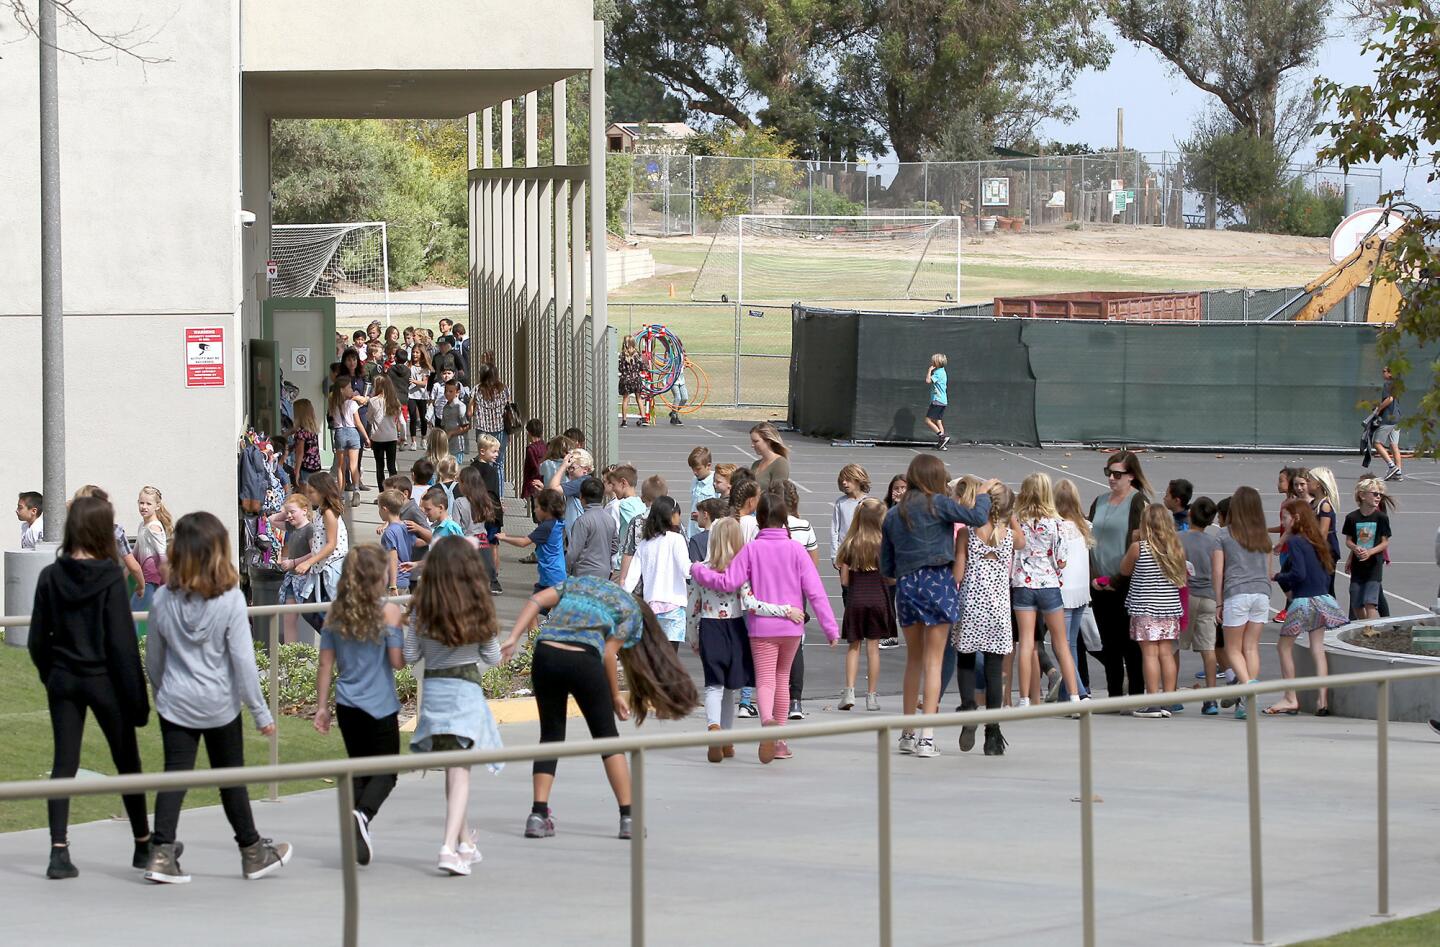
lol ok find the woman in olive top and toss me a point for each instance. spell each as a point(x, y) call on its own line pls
point(774, 463)
point(1114, 518)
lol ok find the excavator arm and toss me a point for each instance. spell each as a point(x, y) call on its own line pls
point(1330, 289)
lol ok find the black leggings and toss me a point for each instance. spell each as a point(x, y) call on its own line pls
point(558, 674)
point(797, 671)
point(367, 736)
point(225, 746)
point(994, 680)
point(417, 416)
point(384, 452)
point(1121, 656)
point(69, 696)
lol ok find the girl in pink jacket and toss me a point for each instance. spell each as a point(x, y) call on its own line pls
point(779, 570)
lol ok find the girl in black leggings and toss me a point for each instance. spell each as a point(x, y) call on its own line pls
point(593, 626)
point(82, 640)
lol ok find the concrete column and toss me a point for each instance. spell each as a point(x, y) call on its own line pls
point(568, 411)
point(603, 418)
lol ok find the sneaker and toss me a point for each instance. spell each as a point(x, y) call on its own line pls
point(1210, 708)
point(797, 712)
point(1399, 475)
point(782, 750)
point(61, 867)
point(1240, 709)
point(164, 867)
point(1435, 725)
point(529, 560)
point(452, 862)
point(1176, 708)
point(847, 698)
point(888, 643)
point(907, 742)
point(714, 753)
point(1153, 712)
point(1053, 680)
point(994, 742)
point(362, 838)
point(967, 738)
point(469, 851)
point(675, 417)
point(495, 588)
point(264, 857)
point(872, 701)
point(1279, 618)
point(944, 442)
point(141, 861)
point(1200, 675)
point(539, 826)
point(925, 748)
point(746, 710)
point(626, 822)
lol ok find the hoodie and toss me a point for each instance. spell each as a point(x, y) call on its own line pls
point(81, 624)
point(201, 660)
point(779, 571)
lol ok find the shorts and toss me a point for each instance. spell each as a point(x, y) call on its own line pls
point(1317, 613)
point(672, 623)
point(1364, 593)
point(1199, 631)
point(927, 596)
point(457, 445)
point(1026, 599)
point(347, 438)
point(1245, 608)
point(1387, 435)
point(935, 412)
point(1146, 628)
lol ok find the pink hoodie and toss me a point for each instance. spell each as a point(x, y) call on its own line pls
point(779, 570)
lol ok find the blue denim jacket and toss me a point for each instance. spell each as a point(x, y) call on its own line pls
point(929, 538)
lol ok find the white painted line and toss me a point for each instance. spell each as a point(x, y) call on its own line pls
point(1389, 594)
point(1058, 470)
point(801, 487)
point(710, 432)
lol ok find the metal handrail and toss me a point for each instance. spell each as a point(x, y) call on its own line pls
point(637, 746)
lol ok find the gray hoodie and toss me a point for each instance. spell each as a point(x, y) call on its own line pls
point(201, 660)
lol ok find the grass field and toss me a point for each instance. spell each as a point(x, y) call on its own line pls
point(1422, 931)
point(26, 748)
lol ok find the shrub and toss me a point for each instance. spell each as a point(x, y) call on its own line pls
point(824, 202)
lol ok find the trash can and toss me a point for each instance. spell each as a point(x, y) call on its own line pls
point(22, 574)
point(264, 590)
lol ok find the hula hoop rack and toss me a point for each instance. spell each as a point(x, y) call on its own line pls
point(666, 363)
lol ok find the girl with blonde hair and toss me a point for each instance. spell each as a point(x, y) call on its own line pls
point(305, 449)
point(982, 567)
point(152, 540)
point(1035, 583)
point(1155, 563)
point(869, 616)
point(1074, 578)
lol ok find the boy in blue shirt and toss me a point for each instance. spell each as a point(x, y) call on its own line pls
point(702, 466)
point(436, 507)
point(396, 540)
point(935, 414)
point(548, 538)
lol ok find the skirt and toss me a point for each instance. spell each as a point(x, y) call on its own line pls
point(725, 653)
point(1317, 613)
point(927, 596)
point(454, 715)
point(869, 615)
point(1147, 628)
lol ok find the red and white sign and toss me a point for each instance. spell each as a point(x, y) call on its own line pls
point(205, 358)
point(272, 269)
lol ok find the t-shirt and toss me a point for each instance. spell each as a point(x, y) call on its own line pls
point(624, 511)
point(699, 546)
point(1366, 530)
point(1245, 570)
point(549, 540)
point(347, 416)
point(297, 541)
point(398, 538)
point(1199, 546)
point(366, 681)
point(590, 611)
point(571, 489)
point(1387, 413)
point(938, 381)
point(446, 527)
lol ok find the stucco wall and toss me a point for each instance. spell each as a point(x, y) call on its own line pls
point(150, 181)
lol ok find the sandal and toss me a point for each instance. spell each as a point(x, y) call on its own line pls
point(1322, 711)
point(1275, 710)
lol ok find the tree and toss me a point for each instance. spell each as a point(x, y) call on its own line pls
point(742, 186)
point(633, 95)
point(1232, 164)
point(1241, 52)
point(1397, 116)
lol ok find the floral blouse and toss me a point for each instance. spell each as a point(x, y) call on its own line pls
point(310, 449)
point(708, 603)
point(1039, 564)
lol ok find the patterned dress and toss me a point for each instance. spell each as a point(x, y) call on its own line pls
point(632, 373)
point(985, 619)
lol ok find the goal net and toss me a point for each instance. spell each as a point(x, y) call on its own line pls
point(347, 261)
point(781, 258)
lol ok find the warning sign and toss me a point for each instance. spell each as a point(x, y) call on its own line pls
point(205, 358)
point(272, 270)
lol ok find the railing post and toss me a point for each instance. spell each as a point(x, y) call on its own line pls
point(345, 801)
point(1252, 766)
point(882, 832)
point(1382, 798)
point(637, 848)
point(1087, 830)
point(273, 632)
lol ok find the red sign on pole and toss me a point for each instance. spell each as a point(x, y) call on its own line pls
point(205, 358)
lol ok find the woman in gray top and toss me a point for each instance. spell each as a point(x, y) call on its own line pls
point(774, 463)
point(1114, 519)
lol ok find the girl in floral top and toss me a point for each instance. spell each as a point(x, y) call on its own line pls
point(1035, 583)
point(717, 632)
point(306, 436)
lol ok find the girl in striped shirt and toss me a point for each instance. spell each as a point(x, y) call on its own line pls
point(1155, 563)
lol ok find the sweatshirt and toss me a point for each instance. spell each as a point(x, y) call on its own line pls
point(202, 661)
point(1303, 576)
point(81, 624)
point(779, 571)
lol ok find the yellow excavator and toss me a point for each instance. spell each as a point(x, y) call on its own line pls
point(1359, 246)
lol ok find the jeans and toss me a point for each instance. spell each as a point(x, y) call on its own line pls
point(69, 696)
point(1072, 636)
point(947, 666)
point(368, 736)
point(225, 746)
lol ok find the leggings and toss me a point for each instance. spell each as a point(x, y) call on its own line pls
point(1121, 656)
point(369, 736)
point(384, 452)
point(557, 674)
point(994, 682)
point(947, 666)
point(773, 657)
point(418, 407)
point(69, 696)
point(225, 746)
point(797, 673)
point(719, 706)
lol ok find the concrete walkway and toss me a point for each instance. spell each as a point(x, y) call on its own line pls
point(986, 850)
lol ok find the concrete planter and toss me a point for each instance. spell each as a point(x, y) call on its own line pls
point(1410, 701)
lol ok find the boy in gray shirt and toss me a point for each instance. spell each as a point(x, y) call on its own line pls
point(589, 541)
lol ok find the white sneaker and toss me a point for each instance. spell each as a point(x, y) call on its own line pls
point(452, 862)
point(907, 742)
point(925, 748)
point(847, 698)
point(872, 701)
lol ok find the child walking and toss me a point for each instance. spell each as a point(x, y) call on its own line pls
point(662, 563)
point(151, 541)
point(854, 484)
point(983, 556)
point(201, 662)
point(869, 614)
point(1308, 576)
point(343, 406)
point(363, 640)
point(305, 436)
point(1155, 563)
point(935, 414)
point(294, 518)
point(452, 627)
point(1204, 561)
point(1367, 536)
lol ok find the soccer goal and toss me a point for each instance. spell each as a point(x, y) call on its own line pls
point(783, 258)
point(348, 261)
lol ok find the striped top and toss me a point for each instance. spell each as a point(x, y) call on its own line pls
point(1151, 594)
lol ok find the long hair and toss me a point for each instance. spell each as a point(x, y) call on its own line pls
point(1246, 520)
point(926, 476)
point(437, 446)
point(418, 356)
point(336, 397)
point(199, 557)
point(1036, 500)
point(1002, 504)
point(326, 493)
point(771, 435)
point(357, 611)
point(860, 550)
point(1325, 477)
point(772, 513)
point(1375, 485)
point(1067, 504)
point(726, 540)
point(856, 475)
point(966, 488)
point(167, 522)
point(1157, 528)
point(1130, 461)
point(558, 447)
point(890, 500)
point(489, 384)
point(1298, 478)
point(1307, 527)
point(628, 346)
point(89, 528)
point(660, 519)
point(386, 391)
point(658, 683)
point(452, 604)
point(472, 488)
point(305, 416)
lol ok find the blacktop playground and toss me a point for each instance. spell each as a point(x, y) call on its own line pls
point(986, 850)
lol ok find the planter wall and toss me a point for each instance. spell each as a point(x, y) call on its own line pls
point(1410, 701)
